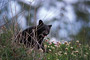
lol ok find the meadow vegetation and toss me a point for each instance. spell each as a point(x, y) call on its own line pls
point(72, 50)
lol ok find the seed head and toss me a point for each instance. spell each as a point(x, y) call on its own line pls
point(40, 50)
point(45, 46)
point(66, 42)
point(77, 41)
point(66, 49)
point(65, 53)
point(50, 50)
point(76, 51)
point(71, 47)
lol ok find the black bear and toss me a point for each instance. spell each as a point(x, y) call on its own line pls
point(33, 36)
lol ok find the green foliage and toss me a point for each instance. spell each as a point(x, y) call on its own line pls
point(67, 51)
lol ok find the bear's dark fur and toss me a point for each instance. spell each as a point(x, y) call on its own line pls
point(33, 36)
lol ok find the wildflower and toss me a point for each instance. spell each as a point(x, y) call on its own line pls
point(66, 49)
point(60, 52)
point(40, 50)
point(45, 46)
point(76, 51)
point(77, 41)
point(55, 45)
point(65, 53)
point(46, 40)
point(50, 43)
point(52, 47)
point(59, 43)
point(50, 50)
point(48, 46)
point(71, 48)
point(66, 42)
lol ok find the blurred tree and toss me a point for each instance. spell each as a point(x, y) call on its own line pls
point(82, 9)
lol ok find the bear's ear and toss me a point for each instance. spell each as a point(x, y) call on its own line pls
point(50, 26)
point(41, 22)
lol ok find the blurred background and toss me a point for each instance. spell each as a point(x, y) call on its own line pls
point(70, 19)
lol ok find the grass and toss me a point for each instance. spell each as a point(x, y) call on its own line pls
point(59, 51)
